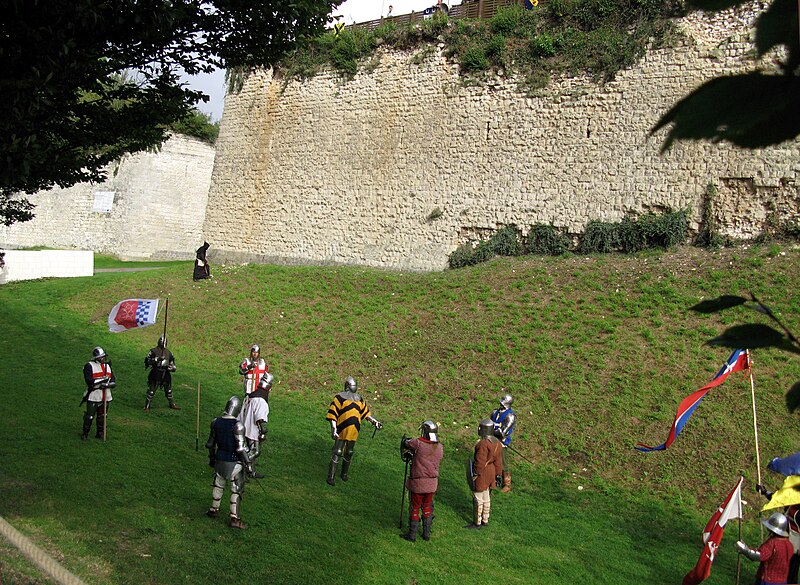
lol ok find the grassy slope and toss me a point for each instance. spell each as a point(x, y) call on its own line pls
point(597, 351)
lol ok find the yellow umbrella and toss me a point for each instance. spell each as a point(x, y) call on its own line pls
point(786, 496)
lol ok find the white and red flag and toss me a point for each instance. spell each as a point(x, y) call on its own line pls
point(712, 535)
point(132, 313)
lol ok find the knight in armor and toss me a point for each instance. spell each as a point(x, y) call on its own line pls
point(426, 454)
point(253, 369)
point(774, 554)
point(161, 363)
point(99, 380)
point(202, 269)
point(254, 417)
point(487, 464)
point(792, 514)
point(230, 458)
point(345, 414)
point(504, 421)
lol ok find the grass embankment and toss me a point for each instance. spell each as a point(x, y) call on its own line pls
point(597, 351)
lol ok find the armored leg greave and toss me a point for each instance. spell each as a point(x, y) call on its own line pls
point(216, 492)
point(235, 500)
point(87, 425)
point(411, 535)
point(332, 470)
point(426, 528)
point(101, 421)
point(345, 468)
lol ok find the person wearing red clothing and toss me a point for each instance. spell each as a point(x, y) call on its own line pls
point(774, 554)
point(426, 454)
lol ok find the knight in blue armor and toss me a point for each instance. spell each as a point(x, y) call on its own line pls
point(504, 421)
point(230, 458)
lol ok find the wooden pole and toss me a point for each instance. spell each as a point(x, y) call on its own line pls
point(166, 315)
point(755, 426)
point(739, 557)
point(105, 415)
point(197, 429)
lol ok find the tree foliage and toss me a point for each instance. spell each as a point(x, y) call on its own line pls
point(87, 81)
point(753, 109)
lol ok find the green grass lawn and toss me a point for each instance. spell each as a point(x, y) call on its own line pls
point(597, 351)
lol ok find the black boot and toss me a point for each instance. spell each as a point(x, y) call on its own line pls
point(100, 422)
point(87, 426)
point(332, 472)
point(426, 527)
point(411, 535)
point(345, 468)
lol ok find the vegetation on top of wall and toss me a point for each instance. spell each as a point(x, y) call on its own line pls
point(599, 37)
point(197, 125)
point(648, 231)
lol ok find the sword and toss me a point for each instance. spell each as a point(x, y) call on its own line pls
point(520, 454)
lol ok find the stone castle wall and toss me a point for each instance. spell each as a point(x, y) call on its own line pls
point(157, 212)
point(398, 166)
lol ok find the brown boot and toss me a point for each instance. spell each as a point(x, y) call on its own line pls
point(506, 482)
point(174, 406)
point(237, 523)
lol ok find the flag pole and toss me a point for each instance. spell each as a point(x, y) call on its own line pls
point(755, 417)
point(755, 426)
point(739, 557)
point(166, 314)
point(197, 428)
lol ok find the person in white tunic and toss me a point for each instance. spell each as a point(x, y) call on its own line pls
point(254, 417)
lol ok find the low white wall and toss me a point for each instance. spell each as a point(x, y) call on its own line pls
point(29, 265)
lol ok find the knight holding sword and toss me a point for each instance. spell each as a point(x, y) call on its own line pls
point(99, 380)
point(161, 363)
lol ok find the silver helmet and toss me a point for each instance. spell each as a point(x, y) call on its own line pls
point(777, 523)
point(266, 381)
point(506, 401)
point(429, 430)
point(98, 354)
point(255, 348)
point(486, 428)
point(350, 384)
point(234, 406)
point(162, 341)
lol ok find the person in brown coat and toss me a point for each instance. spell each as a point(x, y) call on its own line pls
point(487, 465)
point(426, 453)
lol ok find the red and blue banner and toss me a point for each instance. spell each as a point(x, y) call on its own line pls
point(738, 361)
point(132, 313)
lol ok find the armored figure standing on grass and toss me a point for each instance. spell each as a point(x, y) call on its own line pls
point(426, 454)
point(254, 417)
point(228, 455)
point(345, 414)
point(161, 363)
point(99, 380)
point(504, 421)
point(253, 369)
point(485, 467)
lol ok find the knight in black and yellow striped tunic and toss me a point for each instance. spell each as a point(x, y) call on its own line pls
point(345, 414)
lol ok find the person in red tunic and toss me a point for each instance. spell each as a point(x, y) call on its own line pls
point(774, 554)
point(426, 454)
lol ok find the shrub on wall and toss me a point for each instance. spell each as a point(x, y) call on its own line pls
point(506, 242)
point(546, 240)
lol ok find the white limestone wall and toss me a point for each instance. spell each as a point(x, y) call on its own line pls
point(29, 265)
point(400, 165)
point(158, 209)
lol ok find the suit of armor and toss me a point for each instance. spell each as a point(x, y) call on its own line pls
point(254, 418)
point(253, 369)
point(229, 456)
point(161, 363)
point(99, 379)
point(505, 420)
point(345, 414)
